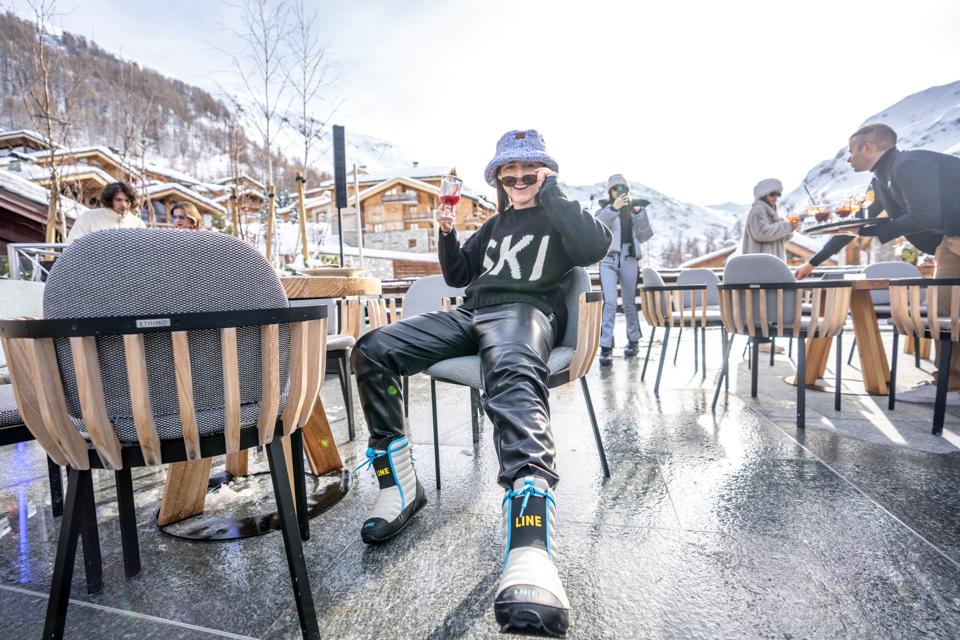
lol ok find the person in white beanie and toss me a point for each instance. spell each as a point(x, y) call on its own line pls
point(765, 231)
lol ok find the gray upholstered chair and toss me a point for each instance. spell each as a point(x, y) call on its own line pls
point(915, 312)
point(570, 359)
point(666, 307)
point(19, 299)
point(707, 312)
point(432, 293)
point(160, 346)
point(760, 298)
point(881, 298)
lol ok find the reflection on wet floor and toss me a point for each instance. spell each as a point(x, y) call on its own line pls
point(729, 526)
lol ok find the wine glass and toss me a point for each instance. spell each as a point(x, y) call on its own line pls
point(449, 196)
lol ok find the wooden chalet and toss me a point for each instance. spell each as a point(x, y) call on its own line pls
point(22, 141)
point(161, 196)
point(23, 210)
point(100, 157)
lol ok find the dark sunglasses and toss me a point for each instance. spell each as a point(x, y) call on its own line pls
point(775, 194)
point(177, 216)
point(511, 181)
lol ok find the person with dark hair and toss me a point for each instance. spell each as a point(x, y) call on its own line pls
point(628, 223)
point(118, 210)
point(920, 192)
point(512, 316)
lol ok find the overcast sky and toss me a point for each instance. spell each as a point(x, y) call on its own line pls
point(699, 100)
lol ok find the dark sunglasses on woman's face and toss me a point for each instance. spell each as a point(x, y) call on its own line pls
point(775, 194)
point(179, 217)
point(511, 181)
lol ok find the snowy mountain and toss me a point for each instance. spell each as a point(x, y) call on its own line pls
point(681, 230)
point(929, 119)
point(738, 211)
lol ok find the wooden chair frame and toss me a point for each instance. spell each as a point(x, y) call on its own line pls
point(590, 309)
point(829, 307)
point(661, 304)
point(38, 389)
point(907, 310)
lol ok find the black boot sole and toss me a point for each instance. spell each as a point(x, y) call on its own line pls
point(379, 535)
point(530, 618)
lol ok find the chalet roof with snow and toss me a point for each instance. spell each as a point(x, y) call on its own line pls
point(14, 186)
point(22, 140)
point(82, 155)
point(242, 178)
point(160, 190)
point(160, 172)
point(68, 173)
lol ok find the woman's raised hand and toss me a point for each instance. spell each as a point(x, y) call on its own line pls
point(446, 217)
point(621, 201)
point(543, 173)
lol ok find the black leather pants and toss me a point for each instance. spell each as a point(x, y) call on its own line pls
point(514, 343)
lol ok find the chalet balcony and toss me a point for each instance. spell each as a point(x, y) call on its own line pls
point(418, 215)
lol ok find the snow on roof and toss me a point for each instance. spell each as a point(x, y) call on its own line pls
point(241, 178)
point(243, 192)
point(808, 242)
point(23, 133)
point(36, 172)
point(406, 172)
point(173, 174)
point(107, 152)
point(20, 186)
point(161, 187)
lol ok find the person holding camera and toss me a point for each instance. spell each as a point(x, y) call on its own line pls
point(627, 220)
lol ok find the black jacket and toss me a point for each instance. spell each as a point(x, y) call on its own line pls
point(920, 191)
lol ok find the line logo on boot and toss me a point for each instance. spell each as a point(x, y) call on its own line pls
point(528, 521)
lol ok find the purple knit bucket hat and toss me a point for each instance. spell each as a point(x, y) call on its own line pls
point(523, 146)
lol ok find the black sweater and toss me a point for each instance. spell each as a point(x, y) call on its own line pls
point(521, 256)
point(920, 191)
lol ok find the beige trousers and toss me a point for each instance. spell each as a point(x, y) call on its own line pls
point(948, 266)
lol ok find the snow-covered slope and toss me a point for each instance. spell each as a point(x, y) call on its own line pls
point(929, 119)
point(677, 225)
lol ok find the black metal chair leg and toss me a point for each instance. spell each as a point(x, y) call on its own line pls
point(474, 414)
point(596, 427)
point(56, 488)
point(893, 374)
point(839, 365)
point(79, 483)
point(406, 396)
point(643, 372)
point(916, 352)
point(724, 371)
point(343, 372)
point(300, 483)
point(754, 366)
point(790, 347)
point(126, 507)
point(853, 347)
point(299, 577)
point(696, 349)
point(677, 349)
point(90, 536)
point(801, 382)
point(943, 379)
point(726, 360)
point(436, 430)
point(703, 354)
point(773, 349)
point(663, 356)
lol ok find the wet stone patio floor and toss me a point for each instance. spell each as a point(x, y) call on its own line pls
point(734, 525)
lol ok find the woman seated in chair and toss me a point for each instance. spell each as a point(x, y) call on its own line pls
point(512, 315)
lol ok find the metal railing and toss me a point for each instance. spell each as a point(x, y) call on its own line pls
point(32, 261)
